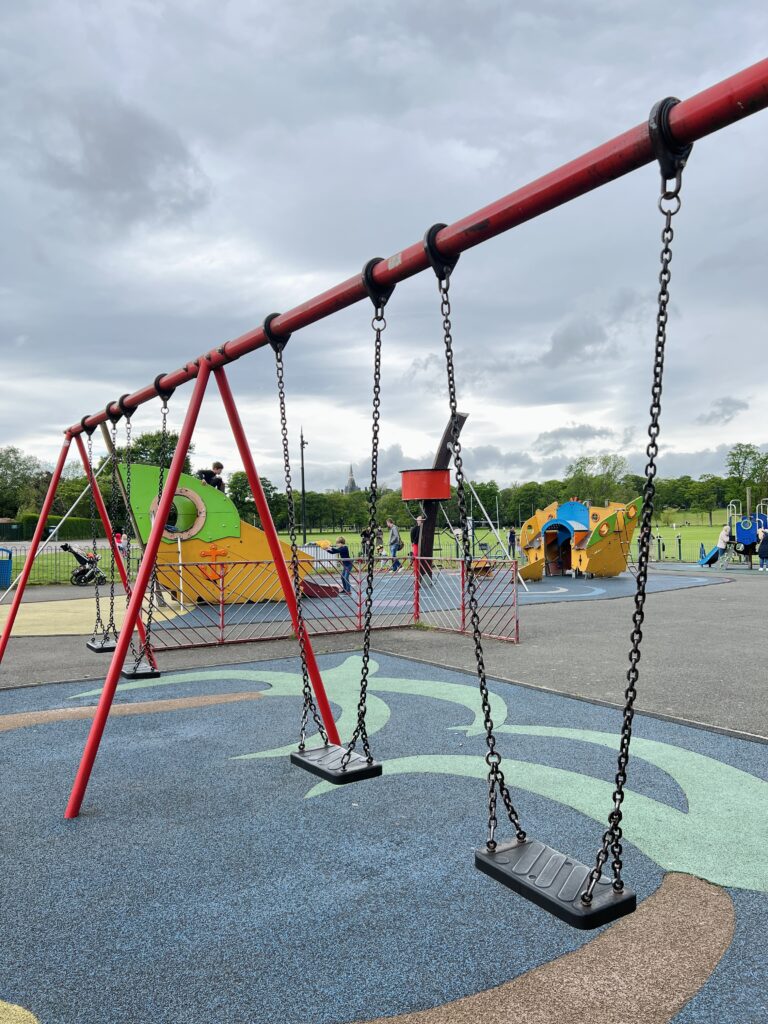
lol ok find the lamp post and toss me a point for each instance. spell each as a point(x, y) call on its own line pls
point(303, 493)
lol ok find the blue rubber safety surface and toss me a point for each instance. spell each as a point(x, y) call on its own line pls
point(201, 886)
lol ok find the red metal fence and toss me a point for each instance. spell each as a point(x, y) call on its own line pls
point(204, 605)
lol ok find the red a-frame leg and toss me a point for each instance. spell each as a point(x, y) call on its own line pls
point(134, 605)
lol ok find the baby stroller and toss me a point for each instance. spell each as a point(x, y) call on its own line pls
point(87, 571)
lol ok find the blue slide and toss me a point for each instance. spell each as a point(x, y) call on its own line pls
point(710, 558)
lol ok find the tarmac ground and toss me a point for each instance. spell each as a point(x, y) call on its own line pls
point(207, 880)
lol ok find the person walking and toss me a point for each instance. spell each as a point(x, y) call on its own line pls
point(342, 551)
point(762, 550)
point(511, 539)
point(395, 544)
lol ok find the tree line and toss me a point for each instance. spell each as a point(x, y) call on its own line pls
point(600, 478)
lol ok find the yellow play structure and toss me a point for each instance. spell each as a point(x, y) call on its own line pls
point(199, 555)
point(577, 537)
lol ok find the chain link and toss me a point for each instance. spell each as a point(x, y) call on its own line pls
point(110, 630)
point(496, 783)
point(669, 205)
point(309, 708)
point(146, 647)
point(379, 325)
point(98, 626)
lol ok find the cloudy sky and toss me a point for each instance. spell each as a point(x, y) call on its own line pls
point(174, 171)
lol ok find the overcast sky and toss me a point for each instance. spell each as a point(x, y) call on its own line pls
point(174, 171)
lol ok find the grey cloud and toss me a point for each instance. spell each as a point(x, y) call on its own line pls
point(552, 441)
point(723, 411)
point(121, 164)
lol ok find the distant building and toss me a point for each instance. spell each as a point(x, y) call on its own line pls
point(351, 487)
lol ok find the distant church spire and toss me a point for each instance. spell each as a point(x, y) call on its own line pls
point(351, 486)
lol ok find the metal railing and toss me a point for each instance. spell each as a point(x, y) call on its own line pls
point(206, 604)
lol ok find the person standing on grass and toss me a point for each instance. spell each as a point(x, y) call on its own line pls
point(342, 551)
point(395, 544)
point(762, 550)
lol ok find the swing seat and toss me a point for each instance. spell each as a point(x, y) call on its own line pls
point(104, 645)
point(554, 882)
point(326, 762)
point(141, 671)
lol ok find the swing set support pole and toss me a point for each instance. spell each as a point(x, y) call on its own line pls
point(731, 100)
point(104, 516)
point(276, 550)
point(137, 596)
point(36, 538)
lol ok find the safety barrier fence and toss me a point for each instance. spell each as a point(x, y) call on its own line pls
point(56, 566)
point(203, 604)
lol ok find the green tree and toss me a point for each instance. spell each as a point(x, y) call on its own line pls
point(147, 448)
point(741, 462)
point(23, 481)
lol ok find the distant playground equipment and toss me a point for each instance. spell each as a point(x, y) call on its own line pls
point(578, 538)
point(743, 538)
point(203, 541)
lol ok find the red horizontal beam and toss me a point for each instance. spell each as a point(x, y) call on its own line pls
point(730, 100)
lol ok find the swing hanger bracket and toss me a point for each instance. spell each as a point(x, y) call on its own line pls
point(378, 295)
point(125, 409)
point(671, 154)
point(88, 431)
point(442, 265)
point(278, 342)
point(113, 417)
point(164, 393)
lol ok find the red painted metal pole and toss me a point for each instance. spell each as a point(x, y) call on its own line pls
point(729, 101)
point(36, 538)
point(134, 605)
point(276, 550)
point(416, 582)
point(105, 522)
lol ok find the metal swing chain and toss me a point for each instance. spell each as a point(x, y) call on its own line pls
point(669, 205)
point(309, 702)
point(111, 629)
point(129, 521)
point(496, 782)
point(378, 323)
point(145, 648)
point(98, 626)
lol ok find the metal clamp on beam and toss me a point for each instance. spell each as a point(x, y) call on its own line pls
point(442, 265)
point(671, 155)
point(113, 417)
point(278, 342)
point(87, 430)
point(165, 393)
point(125, 409)
point(379, 296)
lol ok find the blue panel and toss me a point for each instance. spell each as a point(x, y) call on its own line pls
point(574, 512)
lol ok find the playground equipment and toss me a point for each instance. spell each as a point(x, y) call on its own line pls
point(744, 534)
point(197, 553)
point(579, 538)
point(565, 888)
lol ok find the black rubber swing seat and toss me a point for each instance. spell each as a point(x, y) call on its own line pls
point(141, 671)
point(554, 882)
point(104, 645)
point(326, 762)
